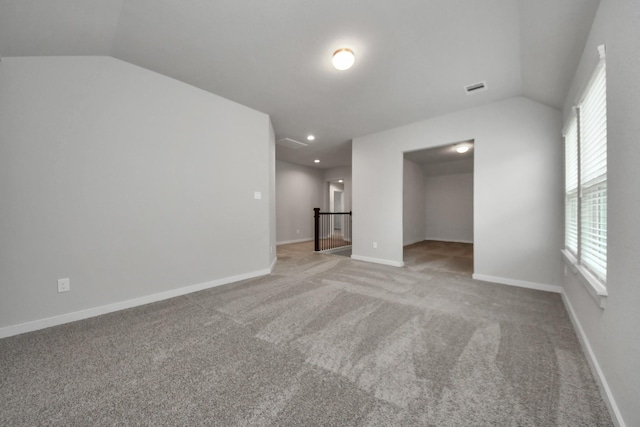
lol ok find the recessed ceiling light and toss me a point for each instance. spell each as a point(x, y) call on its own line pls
point(310, 138)
point(316, 161)
point(343, 59)
point(462, 149)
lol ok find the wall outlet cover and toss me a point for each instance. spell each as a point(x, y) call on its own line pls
point(64, 285)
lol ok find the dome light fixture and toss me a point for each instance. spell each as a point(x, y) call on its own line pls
point(343, 59)
point(310, 138)
point(316, 161)
point(462, 149)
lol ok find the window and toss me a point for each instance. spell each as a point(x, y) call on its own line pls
point(571, 188)
point(586, 177)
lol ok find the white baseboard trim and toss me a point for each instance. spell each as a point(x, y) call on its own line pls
point(48, 322)
point(519, 283)
point(595, 366)
point(378, 260)
point(440, 239)
point(286, 242)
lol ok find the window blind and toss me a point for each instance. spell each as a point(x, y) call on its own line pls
point(593, 175)
point(571, 187)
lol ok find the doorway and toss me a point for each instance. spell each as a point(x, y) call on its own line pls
point(340, 225)
point(438, 207)
point(337, 207)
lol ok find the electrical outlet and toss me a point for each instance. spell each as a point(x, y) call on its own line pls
point(375, 245)
point(64, 285)
point(297, 231)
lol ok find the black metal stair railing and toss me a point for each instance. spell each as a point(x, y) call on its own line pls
point(332, 230)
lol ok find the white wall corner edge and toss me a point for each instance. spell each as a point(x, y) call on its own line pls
point(519, 283)
point(605, 391)
point(48, 322)
point(378, 260)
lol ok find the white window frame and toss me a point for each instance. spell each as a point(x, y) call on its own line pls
point(591, 269)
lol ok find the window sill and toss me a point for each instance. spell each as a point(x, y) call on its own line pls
point(594, 286)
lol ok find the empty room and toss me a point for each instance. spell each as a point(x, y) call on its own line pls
point(170, 172)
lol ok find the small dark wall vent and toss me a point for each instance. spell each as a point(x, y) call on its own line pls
point(475, 88)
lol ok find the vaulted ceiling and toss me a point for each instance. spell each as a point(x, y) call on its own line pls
point(413, 57)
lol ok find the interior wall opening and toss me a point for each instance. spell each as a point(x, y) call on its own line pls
point(438, 208)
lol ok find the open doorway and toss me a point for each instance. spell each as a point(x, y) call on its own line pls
point(438, 208)
point(339, 224)
point(336, 202)
point(338, 207)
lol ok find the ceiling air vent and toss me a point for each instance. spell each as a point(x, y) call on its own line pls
point(291, 143)
point(475, 88)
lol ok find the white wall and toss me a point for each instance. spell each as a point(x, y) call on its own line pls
point(129, 183)
point(449, 167)
point(272, 194)
point(517, 188)
point(612, 334)
point(299, 189)
point(413, 203)
point(449, 207)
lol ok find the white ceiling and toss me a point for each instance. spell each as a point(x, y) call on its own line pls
point(413, 57)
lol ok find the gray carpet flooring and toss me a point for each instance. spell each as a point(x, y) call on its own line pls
point(322, 341)
point(452, 257)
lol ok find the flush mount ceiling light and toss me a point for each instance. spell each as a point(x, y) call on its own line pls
point(340, 180)
point(462, 149)
point(343, 59)
point(316, 161)
point(310, 138)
